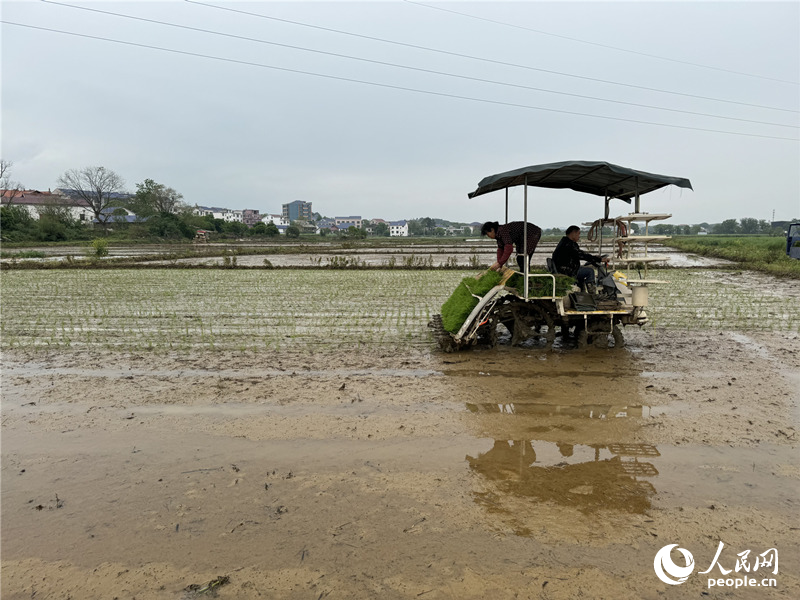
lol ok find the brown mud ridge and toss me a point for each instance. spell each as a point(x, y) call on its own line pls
point(510, 473)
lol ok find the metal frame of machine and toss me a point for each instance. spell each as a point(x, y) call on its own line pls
point(526, 316)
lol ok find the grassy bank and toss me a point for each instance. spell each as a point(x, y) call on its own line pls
point(759, 253)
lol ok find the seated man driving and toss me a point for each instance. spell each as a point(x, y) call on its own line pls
point(567, 258)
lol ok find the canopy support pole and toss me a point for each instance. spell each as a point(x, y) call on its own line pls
point(525, 236)
point(506, 206)
point(637, 195)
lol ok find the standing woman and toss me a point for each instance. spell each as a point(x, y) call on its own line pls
point(509, 235)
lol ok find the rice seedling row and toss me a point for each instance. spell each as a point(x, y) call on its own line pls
point(318, 309)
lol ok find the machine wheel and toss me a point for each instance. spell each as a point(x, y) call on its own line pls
point(543, 317)
point(600, 340)
point(619, 339)
point(443, 337)
point(487, 334)
point(583, 338)
point(598, 334)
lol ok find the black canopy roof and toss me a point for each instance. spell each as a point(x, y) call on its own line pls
point(599, 178)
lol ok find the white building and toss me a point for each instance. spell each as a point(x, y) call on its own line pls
point(345, 222)
point(234, 216)
point(210, 211)
point(226, 214)
point(36, 202)
point(276, 219)
point(398, 228)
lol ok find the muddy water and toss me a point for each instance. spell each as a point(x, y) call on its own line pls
point(461, 257)
point(461, 254)
point(497, 474)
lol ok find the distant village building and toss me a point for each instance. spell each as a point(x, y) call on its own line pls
point(250, 217)
point(453, 230)
point(210, 211)
point(306, 227)
point(234, 216)
point(398, 228)
point(228, 215)
point(117, 215)
point(36, 202)
point(298, 211)
point(276, 219)
point(346, 222)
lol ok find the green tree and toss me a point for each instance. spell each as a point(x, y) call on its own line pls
point(749, 225)
point(235, 228)
point(271, 230)
point(356, 233)
point(15, 222)
point(152, 198)
point(57, 223)
point(169, 226)
point(415, 227)
point(324, 231)
point(727, 226)
point(382, 229)
point(259, 229)
point(292, 232)
point(663, 229)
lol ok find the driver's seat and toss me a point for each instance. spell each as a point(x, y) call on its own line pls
point(551, 266)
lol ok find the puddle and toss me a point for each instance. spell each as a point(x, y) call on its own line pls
point(568, 432)
point(585, 411)
point(751, 345)
point(634, 477)
point(616, 476)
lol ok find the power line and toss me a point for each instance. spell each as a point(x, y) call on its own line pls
point(598, 44)
point(388, 86)
point(488, 60)
point(418, 69)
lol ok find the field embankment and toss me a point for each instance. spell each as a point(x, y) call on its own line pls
point(761, 253)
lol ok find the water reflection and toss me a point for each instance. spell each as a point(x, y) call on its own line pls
point(568, 454)
point(588, 411)
point(588, 477)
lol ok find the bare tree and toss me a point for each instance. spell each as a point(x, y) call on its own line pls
point(94, 185)
point(8, 188)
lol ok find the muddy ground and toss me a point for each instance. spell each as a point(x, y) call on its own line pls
point(508, 473)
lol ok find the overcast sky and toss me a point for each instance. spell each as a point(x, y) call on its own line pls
point(257, 135)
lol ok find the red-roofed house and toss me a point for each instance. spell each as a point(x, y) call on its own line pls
point(35, 201)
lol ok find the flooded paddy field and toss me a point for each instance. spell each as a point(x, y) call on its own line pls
point(297, 433)
point(473, 253)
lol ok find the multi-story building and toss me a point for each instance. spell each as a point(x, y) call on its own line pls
point(250, 217)
point(345, 222)
point(398, 228)
point(297, 211)
point(233, 216)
